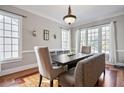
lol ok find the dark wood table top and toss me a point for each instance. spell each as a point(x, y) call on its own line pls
point(65, 59)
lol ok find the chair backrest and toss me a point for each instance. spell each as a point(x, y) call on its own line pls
point(86, 49)
point(89, 70)
point(44, 61)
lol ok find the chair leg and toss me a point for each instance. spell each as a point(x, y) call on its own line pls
point(104, 74)
point(97, 83)
point(51, 83)
point(59, 85)
point(40, 81)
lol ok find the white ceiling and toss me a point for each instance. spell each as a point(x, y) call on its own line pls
point(84, 13)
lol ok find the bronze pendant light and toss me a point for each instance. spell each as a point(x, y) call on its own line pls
point(69, 19)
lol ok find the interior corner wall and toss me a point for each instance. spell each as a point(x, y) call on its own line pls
point(119, 35)
point(30, 23)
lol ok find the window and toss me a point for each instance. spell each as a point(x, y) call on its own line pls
point(9, 36)
point(93, 39)
point(99, 38)
point(83, 37)
point(106, 40)
point(65, 39)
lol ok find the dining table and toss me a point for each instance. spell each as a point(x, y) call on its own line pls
point(69, 59)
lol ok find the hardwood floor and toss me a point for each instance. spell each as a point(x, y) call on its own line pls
point(114, 78)
point(15, 78)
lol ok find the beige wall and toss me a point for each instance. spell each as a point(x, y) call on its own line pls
point(119, 34)
point(38, 23)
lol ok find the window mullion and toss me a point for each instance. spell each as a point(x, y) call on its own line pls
point(100, 39)
point(86, 37)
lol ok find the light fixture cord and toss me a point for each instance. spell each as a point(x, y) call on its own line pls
point(69, 10)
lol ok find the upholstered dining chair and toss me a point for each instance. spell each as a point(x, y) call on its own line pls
point(85, 74)
point(86, 49)
point(46, 68)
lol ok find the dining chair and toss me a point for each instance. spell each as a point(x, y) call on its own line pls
point(85, 74)
point(86, 49)
point(45, 65)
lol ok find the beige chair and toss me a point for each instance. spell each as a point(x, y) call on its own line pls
point(86, 49)
point(46, 69)
point(86, 73)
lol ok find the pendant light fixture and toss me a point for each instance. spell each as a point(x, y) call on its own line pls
point(69, 19)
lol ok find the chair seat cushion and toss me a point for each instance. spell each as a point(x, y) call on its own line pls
point(56, 66)
point(67, 78)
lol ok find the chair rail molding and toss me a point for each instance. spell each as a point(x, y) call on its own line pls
point(32, 51)
point(28, 51)
point(119, 50)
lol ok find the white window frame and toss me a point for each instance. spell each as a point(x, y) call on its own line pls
point(69, 38)
point(92, 34)
point(99, 36)
point(107, 35)
point(19, 58)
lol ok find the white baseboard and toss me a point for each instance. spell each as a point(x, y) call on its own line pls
point(17, 69)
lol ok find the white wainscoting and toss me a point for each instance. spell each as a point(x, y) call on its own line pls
point(119, 63)
point(17, 69)
point(0, 67)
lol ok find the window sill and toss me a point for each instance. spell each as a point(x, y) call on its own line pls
point(10, 60)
